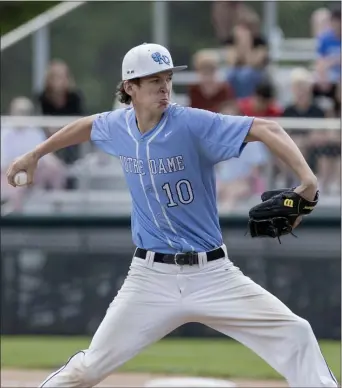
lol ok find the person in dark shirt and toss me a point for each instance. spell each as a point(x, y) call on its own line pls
point(60, 97)
point(70, 105)
point(321, 148)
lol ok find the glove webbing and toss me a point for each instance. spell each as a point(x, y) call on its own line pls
point(278, 237)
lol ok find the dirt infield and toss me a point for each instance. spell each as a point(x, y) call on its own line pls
point(29, 378)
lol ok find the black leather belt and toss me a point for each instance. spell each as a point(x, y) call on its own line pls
point(188, 258)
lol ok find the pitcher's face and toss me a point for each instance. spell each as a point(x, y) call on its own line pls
point(154, 92)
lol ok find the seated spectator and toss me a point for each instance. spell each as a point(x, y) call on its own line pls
point(324, 157)
point(324, 154)
point(247, 57)
point(322, 149)
point(303, 106)
point(334, 111)
point(320, 22)
point(60, 97)
point(239, 179)
point(337, 107)
point(262, 103)
point(16, 141)
point(328, 64)
point(233, 175)
point(209, 93)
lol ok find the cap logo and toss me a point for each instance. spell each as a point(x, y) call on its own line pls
point(157, 57)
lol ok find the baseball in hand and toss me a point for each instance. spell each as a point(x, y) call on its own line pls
point(20, 178)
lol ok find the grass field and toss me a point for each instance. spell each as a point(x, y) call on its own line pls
point(205, 357)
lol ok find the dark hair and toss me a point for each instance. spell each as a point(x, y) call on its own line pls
point(123, 97)
point(265, 89)
point(336, 13)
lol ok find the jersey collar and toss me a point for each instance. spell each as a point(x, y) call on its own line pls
point(133, 125)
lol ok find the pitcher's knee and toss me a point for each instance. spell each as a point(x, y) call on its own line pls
point(301, 330)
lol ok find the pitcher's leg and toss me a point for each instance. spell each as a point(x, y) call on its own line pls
point(141, 314)
point(241, 309)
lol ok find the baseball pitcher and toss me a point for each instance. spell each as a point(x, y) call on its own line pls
point(181, 271)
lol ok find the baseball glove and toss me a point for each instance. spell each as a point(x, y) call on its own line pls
point(277, 213)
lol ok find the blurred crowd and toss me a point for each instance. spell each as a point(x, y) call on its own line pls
point(59, 97)
point(245, 89)
point(248, 89)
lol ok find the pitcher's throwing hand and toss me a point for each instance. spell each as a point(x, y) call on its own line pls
point(27, 163)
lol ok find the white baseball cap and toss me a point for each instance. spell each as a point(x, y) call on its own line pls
point(147, 59)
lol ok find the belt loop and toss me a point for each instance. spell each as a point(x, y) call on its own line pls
point(150, 258)
point(223, 246)
point(202, 259)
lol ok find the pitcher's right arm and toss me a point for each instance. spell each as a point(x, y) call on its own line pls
point(74, 133)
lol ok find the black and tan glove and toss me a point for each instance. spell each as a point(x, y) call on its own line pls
point(276, 215)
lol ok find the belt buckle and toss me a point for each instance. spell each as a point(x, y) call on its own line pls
point(176, 259)
point(182, 254)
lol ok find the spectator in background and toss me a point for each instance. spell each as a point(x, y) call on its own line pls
point(226, 14)
point(262, 103)
point(247, 57)
point(210, 92)
point(322, 149)
point(337, 106)
point(320, 22)
point(16, 141)
point(239, 179)
point(324, 154)
point(233, 175)
point(302, 106)
point(334, 110)
point(328, 64)
point(324, 157)
point(60, 97)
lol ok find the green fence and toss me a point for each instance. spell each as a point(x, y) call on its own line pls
point(59, 274)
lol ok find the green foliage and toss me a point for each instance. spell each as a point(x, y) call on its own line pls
point(15, 13)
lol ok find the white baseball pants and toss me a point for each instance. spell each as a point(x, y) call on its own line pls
point(157, 298)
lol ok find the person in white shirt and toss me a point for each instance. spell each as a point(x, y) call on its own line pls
point(16, 141)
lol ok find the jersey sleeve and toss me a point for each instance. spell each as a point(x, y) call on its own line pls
point(103, 132)
point(220, 137)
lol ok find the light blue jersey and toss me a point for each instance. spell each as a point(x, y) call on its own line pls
point(170, 173)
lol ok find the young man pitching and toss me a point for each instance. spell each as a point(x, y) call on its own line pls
point(181, 271)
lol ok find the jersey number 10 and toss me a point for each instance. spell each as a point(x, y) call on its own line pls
point(184, 193)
